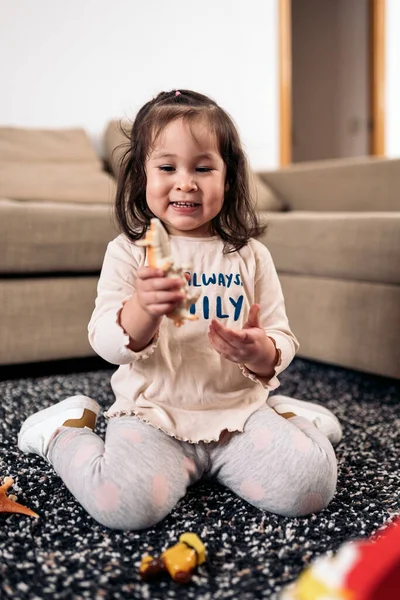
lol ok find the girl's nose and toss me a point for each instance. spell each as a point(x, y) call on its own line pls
point(186, 184)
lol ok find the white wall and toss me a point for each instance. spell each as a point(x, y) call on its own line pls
point(83, 62)
point(392, 78)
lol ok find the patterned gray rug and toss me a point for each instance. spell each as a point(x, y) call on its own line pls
point(65, 554)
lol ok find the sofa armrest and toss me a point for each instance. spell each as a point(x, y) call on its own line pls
point(352, 184)
point(263, 197)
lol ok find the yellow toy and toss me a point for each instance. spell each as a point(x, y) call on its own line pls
point(179, 561)
point(159, 257)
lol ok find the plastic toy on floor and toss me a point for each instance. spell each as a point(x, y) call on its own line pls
point(179, 561)
point(360, 570)
point(9, 504)
point(159, 257)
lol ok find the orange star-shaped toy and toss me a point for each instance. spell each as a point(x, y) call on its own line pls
point(8, 504)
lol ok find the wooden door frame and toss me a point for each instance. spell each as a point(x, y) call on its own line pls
point(377, 9)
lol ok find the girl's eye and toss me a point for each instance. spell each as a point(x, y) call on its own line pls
point(170, 169)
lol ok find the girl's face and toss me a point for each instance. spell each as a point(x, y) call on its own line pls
point(185, 178)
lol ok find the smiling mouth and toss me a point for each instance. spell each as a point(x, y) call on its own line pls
point(185, 204)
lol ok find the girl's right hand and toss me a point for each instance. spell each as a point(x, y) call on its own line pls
point(157, 294)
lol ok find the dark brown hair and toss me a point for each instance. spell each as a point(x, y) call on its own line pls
point(237, 221)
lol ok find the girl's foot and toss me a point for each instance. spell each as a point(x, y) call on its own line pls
point(38, 430)
point(320, 416)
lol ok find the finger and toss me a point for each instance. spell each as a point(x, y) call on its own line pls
point(221, 342)
point(161, 309)
point(157, 297)
point(149, 272)
point(224, 349)
point(161, 283)
point(230, 335)
point(253, 319)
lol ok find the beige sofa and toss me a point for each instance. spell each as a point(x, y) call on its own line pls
point(334, 233)
point(55, 221)
point(337, 252)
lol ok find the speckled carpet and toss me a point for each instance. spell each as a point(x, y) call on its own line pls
point(65, 554)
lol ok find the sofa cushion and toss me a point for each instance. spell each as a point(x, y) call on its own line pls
point(42, 145)
point(350, 323)
point(116, 143)
point(55, 182)
point(351, 184)
point(53, 237)
point(45, 319)
point(263, 197)
point(351, 246)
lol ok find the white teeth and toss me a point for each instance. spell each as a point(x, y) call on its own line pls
point(191, 204)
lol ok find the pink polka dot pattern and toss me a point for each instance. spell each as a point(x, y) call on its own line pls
point(189, 466)
point(160, 489)
point(107, 496)
point(302, 442)
point(84, 455)
point(133, 436)
point(262, 438)
point(252, 490)
point(312, 502)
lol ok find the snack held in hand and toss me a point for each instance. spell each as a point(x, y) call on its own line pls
point(9, 504)
point(179, 561)
point(159, 257)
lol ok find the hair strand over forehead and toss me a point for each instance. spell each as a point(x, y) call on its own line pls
point(189, 116)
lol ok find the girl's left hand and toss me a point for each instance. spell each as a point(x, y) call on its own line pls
point(248, 346)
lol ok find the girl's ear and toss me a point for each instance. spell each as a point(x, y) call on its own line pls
point(226, 187)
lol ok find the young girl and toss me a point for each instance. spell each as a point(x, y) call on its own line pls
point(191, 402)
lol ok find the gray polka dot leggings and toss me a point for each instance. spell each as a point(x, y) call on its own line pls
point(137, 475)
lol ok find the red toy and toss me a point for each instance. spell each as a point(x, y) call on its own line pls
point(360, 570)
